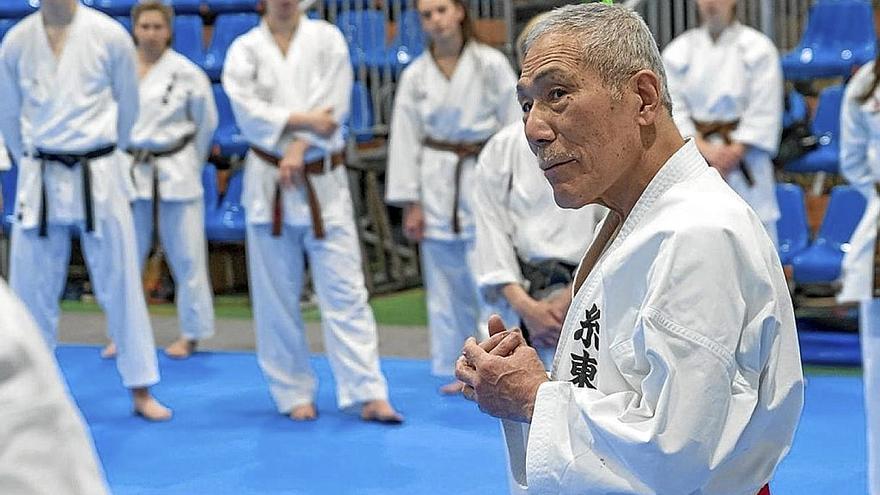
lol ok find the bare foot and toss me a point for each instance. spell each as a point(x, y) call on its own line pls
point(181, 348)
point(453, 388)
point(146, 406)
point(380, 411)
point(109, 351)
point(305, 412)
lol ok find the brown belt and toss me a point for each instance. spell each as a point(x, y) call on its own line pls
point(315, 167)
point(724, 130)
point(464, 151)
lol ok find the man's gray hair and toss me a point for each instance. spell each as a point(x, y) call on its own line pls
point(615, 42)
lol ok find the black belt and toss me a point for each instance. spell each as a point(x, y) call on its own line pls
point(70, 160)
point(148, 156)
point(544, 278)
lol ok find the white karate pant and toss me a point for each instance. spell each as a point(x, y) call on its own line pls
point(454, 302)
point(869, 333)
point(275, 270)
point(182, 234)
point(38, 272)
point(46, 446)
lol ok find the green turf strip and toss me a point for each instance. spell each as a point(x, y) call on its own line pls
point(405, 308)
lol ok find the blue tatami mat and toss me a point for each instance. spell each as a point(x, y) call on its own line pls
point(226, 437)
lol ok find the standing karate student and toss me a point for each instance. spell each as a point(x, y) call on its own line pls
point(449, 102)
point(289, 80)
point(68, 101)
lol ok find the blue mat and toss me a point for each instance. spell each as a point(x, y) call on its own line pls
point(227, 439)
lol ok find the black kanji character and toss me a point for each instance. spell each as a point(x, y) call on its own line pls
point(583, 370)
point(588, 333)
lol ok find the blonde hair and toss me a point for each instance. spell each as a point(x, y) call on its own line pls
point(157, 5)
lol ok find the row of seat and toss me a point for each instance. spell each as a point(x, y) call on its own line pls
point(364, 30)
point(839, 37)
point(819, 261)
point(16, 9)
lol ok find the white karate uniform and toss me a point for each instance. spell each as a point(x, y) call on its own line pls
point(46, 446)
point(477, 101)
point(517, 218)
point(265, 87)
point(177, 103)
point(678, 369)
point(859, 146)
point(737, 77)
point(85, 100)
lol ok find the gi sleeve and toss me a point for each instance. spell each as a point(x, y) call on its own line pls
point(10, 99)
point(855, 135)
point(125, 89)
point(260, 122)
point(203, 110)
point(699, 378)
point(404, 145)
point(336, 81)
point(496, 261)
point(760, 124)
point(675, 61)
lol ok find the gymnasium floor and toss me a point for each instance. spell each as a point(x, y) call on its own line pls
point(227, 439)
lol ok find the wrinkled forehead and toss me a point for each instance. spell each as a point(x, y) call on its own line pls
point(552, 56)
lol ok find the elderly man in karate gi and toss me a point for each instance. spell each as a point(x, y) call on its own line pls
point(289, 80)
point(725, 80)
point(46, 447)
point(68, 101)
point(677, 371)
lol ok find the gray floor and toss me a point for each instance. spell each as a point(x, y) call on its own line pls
point(238, 334)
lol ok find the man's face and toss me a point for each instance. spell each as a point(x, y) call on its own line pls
point(716, 14)
point(584, 138)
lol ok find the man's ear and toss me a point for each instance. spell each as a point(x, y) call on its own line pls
point(646, 86)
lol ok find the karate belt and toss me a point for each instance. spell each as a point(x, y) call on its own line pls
point(464, 151)
point(148, 157)
point(724, 130)
point(70, 160)
point(315, 167)
point(544, 278)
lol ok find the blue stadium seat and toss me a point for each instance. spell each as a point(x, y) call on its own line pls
point(364, 31)
point(8, 180)
point(125, 21)
point(227, 224)
point(409, 42)
point(112, 7)
point(839, 36)
point(5, 26)
point(231, 6)
point(227, 136)
point(226, 29)
point(360, 119)
point(185, 7)
point(791, 228)
point(825, 126)
point(796, 109)
point(821, 262)
point(16, 9)
point(188, 38)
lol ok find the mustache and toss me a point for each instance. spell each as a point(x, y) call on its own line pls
point(545, 156)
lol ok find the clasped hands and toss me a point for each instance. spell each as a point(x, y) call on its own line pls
point(501, 374)
point(723, 157)
point(291, 166)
